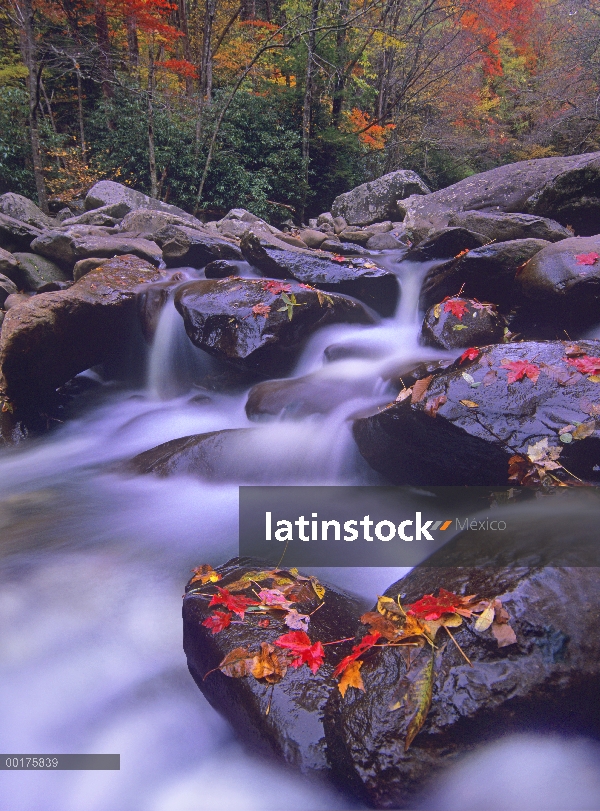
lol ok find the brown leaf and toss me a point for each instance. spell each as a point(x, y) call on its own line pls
point(490, 378)
point(416, 698)
point(504, 634)
point(573, 351)
point(584, 430)
point(237, 663)
point(351, 677)
point(432, 405)
point(469, 403)
point(205, 574)
point(404, 394)
point(270, 664)
point(419, 388)
point(589, 407)
point(563, 376)
point(376, 622)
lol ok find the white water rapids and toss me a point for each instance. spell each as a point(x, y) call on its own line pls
point(92, 569)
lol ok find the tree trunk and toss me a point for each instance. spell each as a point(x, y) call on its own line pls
point(151, 149)
point(308, 94)
point(133, 48)
point(339, 85)
point(101, 21)
point(205, 67)
point(249, 10)
point(28, 51)
point(80, 113)
point(187, 51)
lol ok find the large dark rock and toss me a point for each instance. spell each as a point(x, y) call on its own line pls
point(51, 337)
point(470, 442)
point(8, 263)
point(227, 318)
point(220, 269)
point(446, 243)
point(16, 235)
point(35, 271)
point(377, 200)
point(7, 288)
point(460, 323)
point(547, 682)
point(149, 222)
point(66, 248)
point(502, 226)
point(376, 287)
point(563, 281)
point(486, 273)
point(287, 719)
point(191, 247)
point(565, 189)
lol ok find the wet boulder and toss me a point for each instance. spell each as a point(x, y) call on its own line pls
point(362, 279)
point(8, 263)
point(284, 719)
point(502, 226)
point(486, 273)
point(104, 216)
point(248, 322)
point(16, 235)
point(49, 338)
point(7, 288)
point(220, 269)
point(565, 189)
point(446, 243)
point(563, 281)
point(109, 193)
point(546, 681)
point(35, 271)
point(184, 246)
point(461, 322)
point(462, 426)
point(68, 247)
point(377, 200)
point(147, 222)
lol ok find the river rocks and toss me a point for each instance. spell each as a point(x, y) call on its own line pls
point(564, 189)
point(376, 200)
point(446, 243)
point(66, 248)
point(471, 420)
point(7, 288)
point(35, 271)
point(108, 193)
point(24, 210)
point(384, 242)
point(461, 322)
point(502, 227)
point(300, 397)
point(105, 215)
point(376, 287)
point(292, 727)
point(220, 269)
point(548, 680)
point(563, 280)
point(247, 323)
point(356, 235)
point(146, 222)
point(16, 235)
point(51, 337)
point(486, 273)
point(312, 238)
point(84, 266)
point(190, 247)
point(8, 263)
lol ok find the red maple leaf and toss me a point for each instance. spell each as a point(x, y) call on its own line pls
point(587, 258)
point(431, 608)
point(519, 369)
point(261, 309)
point(457, 307)
point(364, 645)
point(276, 288)
point(217, 621)
point(306, 653)
point(469, 354)
point(586, 365)
point(234, 602)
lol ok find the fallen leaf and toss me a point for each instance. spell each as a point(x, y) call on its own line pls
point(469, 354)
point(587, 258)
point(264, 623)
point(459, 327)
point(486, 618)
point(504, 634)
point(417, 700)
point(238, 663)
point(434, 403)
point(437, 311)
point(586, 365)
point(270, 664)
point(235, 603)
point(303, 649)
point(318, 589)
point(205, 574)
point(366, 643)
point(275, 287)
point(218, 621)
point(584, 430)
point(297, 621)
point(274, 597)
point(431, 608)
point(419, 388)
point(261, 309)
point(594, 378)
point(564, 377)
point(385, 627)
point(544, 456)
point(390, 608)
point(404, 395)
point(351, 677)
point(456, 306)
point(490, 378)
point(469, 378)
point(519, 369)
point(588, 407)
point(469, 403)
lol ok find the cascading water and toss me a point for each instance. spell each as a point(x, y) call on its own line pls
point(92, 567)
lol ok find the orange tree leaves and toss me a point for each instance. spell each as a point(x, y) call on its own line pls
point(351, 677)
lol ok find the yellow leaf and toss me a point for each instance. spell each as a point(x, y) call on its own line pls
point(390, 608)
point(451, 620)
point(594, 378)
point(584, 430)
point(485, 620)
point(469, 404)
point(418, 700)
point(351, 677)
point(317, 587)
point(437, 310)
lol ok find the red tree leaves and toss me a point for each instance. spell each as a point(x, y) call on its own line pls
point(298, 642)
point(587, 258)
point(519, 369)
point(236, 603)
point(218, 621)
point(587, 365)
point(469, 354)
point(365, 644)
point(456, 306)
point(431, 608)
point(276, 287)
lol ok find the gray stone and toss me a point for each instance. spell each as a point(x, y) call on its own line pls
point(190, 247)
point(447, 243)
point(66, 249)
point(105, 215)
point(35, 271)
point(383, 242)
point(377, 200)
point(147, 221)
point(356, 235)
point(84, 266)
point(565, 189)
point(339, 224)
point(326, 217)
point(379, 227)
point(8, 263)
point(24, 210)
point(16, 235)
point(107, 192)
point(15, 299)
point(313, 239)
point(504, 226)
point(64, 214)
point(7, 287)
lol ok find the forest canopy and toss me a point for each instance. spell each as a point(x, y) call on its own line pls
point(280, 105)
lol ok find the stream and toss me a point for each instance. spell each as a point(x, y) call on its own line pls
point(92, 569)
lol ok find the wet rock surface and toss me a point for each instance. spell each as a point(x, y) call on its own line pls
point(293, 727)
point(49, 338)
point(66, 248)
point(480, 419)
point(34, 272)
point(377, 200)
point(546, 682)
point(503, 226)
point(193, 248)
point(446, 243)
point(460, 323)
point(245, 323)
point(376, 287)
point(486, 273)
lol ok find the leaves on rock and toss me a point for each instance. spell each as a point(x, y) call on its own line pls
point(218, 621)
point(261, 309)
point(351, 677)
point(204, 574)
point(469, 354)
point(520, 369)
point(305, 652)
point(275, 287)
point(434, 403)
point(587, 258)
point(289, 302)
point(297, 621)
point(586, 365)
point(235, 603)
point(415, 694)
point(419, 388)
point(469, 403)
point(269, 664)
point(237, 664)
point(456, 306)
